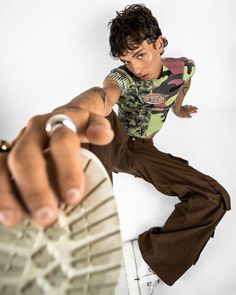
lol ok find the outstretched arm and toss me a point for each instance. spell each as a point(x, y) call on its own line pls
point(183, 111)
point(99, 100)
point(26, 162)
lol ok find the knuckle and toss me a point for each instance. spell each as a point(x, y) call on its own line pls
point(35, 120)
point(19, 157)
point(13, 158)
point(32, 197)
point(66, 112)
point(71, 177)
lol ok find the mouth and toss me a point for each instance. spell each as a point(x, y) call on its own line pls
point(143, 77)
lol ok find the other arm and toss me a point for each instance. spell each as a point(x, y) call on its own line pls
point(183, 111)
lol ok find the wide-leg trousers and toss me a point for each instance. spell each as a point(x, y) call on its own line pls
point(171, 250)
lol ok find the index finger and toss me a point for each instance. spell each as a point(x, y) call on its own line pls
point(28, 167)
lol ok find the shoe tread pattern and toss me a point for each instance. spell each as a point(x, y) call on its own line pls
point(79, 254)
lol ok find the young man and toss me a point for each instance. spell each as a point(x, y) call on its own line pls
point(145, 88)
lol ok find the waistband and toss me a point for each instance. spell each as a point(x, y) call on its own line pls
point(140, 139)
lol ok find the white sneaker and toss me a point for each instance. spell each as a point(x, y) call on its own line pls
point(141, 279)
point(81, 254)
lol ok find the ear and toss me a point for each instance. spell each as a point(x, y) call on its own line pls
point(160, 44)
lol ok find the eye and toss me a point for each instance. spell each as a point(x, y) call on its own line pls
point(125, 62)
point(140, 56)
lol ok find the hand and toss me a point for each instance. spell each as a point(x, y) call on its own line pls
point(185, 111)
point(26, 165)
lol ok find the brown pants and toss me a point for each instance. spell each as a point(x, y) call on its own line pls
point(171, 250)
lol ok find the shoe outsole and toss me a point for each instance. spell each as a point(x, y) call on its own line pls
point(141, 280)
point(80, 254)
point(131, 267)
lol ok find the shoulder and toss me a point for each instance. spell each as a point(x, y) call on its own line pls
point(122, 77)
point(120, 72)
point(181, 65)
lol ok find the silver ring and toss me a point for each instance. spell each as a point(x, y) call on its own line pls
point(58, 121)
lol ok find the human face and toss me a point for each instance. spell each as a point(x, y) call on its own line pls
point(145, 61)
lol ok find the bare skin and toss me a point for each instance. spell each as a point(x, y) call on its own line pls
point(184, 111)
point(27, 165)
point(26, 162)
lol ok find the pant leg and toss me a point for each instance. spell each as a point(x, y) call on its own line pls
point(171, 250)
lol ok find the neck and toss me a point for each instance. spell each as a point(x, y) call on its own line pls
point(159, 72)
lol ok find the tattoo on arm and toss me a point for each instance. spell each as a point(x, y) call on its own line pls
point(101, 92)
point(83, 97)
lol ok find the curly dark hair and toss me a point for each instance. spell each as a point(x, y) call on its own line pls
point(131, 27)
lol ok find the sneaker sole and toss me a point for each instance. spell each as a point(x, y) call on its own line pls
point(131, 267)
point(138, 282)
point(80, 254)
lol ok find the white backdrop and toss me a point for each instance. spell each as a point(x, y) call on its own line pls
point(51, 50)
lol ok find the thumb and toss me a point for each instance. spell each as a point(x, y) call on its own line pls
point(99, 130)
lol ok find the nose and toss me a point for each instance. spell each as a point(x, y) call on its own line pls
point(136, 68)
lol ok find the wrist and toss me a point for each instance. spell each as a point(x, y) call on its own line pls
point(176, 108)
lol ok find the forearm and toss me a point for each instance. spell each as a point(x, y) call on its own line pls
point(94, 99)
point(180, 98)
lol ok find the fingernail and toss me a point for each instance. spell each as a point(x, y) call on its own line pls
point(6, 216)
point(44, 214)
point(73, 195)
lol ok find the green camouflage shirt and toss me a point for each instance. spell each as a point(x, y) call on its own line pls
point(144, 105)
